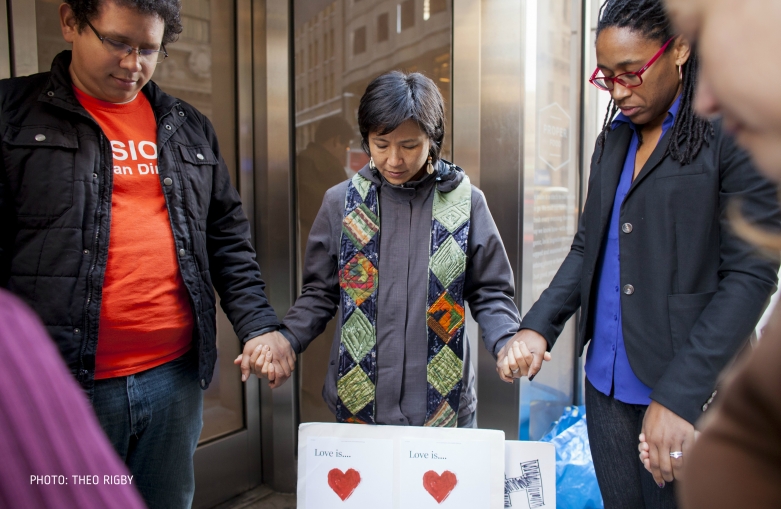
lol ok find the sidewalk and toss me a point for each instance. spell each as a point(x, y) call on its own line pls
point(261, 497)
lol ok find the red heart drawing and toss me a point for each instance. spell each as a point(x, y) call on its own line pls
point(345, 483)
point(439, 486)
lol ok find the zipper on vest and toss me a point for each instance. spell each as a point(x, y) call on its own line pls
point(93, 263)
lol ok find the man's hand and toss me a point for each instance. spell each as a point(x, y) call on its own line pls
point(664, 432)
point(265, 359)
point(522, 356)
point(259, 352)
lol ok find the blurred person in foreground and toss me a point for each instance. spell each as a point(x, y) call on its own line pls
point(736, 462)
point(668, 293)
point(50, 436)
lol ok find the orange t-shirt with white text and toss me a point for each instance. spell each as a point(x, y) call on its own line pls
point(145, 316)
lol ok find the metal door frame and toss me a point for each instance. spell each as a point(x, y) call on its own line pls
point(274, 219)
point(489, 117)
point(230, 465)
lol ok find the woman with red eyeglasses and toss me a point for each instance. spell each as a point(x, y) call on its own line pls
point(668, 293)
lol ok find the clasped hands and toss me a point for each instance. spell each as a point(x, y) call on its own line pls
point(665, 442)
point(522, 356)
point(663, 431)
point(267, 356)
point(271, 356)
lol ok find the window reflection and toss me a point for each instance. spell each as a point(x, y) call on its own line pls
point(552, 191)
point(339, 47)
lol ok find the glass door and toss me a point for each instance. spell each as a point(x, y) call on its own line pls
point(551, 173)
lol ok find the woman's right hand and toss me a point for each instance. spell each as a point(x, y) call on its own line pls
point(276, 362)
point(522, 356)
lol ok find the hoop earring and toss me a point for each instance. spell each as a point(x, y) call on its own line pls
point(371, 163)
point(680, 74)
point(429, 167)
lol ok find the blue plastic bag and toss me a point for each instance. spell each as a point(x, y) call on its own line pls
point(576, 482)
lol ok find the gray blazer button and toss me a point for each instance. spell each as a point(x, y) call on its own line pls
point(181, 252)
point(167, 181)
point(626, 227)
point(203, 383)
point(199, 156)
point(629, 289)
point(40, 137)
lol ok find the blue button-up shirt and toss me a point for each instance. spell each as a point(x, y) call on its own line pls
point(607, 365)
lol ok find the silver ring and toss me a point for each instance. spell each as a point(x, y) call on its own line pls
point(676, 454)
point(515, 371)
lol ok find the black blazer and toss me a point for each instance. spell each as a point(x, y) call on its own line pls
point(692, 292)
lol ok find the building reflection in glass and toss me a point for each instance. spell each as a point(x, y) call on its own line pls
point(551, 188)
point(339, 47)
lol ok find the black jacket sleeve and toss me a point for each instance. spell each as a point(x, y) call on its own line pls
point(5, 229)
point(232, 260)
point(747, 281)
point(6, 221)
point(562, 297)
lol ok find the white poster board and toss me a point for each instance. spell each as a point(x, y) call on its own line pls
point(530, 475)
point(394, 467)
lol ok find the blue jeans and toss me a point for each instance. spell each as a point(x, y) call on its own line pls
point(153, 419)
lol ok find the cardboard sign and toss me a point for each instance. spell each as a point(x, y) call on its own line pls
point(394, 467)
point(530, 475)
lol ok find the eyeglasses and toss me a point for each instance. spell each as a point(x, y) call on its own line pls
point(627, 79)
point(122, 50)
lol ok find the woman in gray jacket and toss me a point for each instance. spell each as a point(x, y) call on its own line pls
point(399, 250)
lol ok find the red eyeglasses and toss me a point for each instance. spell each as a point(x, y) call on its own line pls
point(627, 79)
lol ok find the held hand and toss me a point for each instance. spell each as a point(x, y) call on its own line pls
point(522, 356)
point(255, 359)
point(263, 357)
point(644, 450)
point(664, 432)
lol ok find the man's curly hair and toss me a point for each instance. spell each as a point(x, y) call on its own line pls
point(167, 10)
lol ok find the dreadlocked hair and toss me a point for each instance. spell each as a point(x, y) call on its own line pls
point(649, 18)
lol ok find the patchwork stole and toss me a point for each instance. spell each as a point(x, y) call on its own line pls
point(359, 278)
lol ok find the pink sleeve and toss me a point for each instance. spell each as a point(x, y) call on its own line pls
point(49, 433)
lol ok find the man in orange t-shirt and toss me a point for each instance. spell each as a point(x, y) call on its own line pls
point(144, 295)
point(117, 223)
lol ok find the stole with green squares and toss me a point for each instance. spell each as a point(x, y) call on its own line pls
point(356, 376)
point(358, 279)
point(445, 315)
